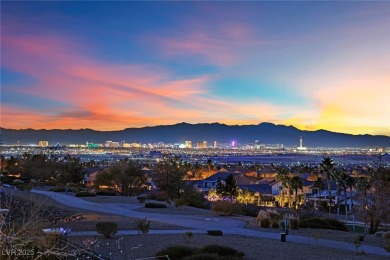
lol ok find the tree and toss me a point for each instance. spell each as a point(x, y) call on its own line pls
point(72, 170)
point(351, 182)
point(169, 176)
point(296, 183)
point(318, 186)
point(227, 188)
point(126, 176)
point(341, 178)
point(373, 195)
point(285, 177)
point(326, 167)
point(245, 196)
point(210, 165)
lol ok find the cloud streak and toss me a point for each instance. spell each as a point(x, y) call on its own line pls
point(339, 75)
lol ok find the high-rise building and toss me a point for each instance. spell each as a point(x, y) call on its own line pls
point(202, 144)
point(215, 144)
point(43, 143)
point(301, 147)
point(188, 144)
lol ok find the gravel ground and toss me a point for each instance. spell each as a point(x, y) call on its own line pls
point(143, 246)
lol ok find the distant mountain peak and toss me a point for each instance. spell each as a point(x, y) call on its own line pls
point(265, 133)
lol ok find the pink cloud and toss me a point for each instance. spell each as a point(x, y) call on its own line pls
point(221, 44)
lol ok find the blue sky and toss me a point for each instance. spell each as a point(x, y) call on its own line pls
point(113, 65)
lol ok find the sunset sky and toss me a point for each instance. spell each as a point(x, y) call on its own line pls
point(114, 65)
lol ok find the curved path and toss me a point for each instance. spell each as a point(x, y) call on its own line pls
point(195, 224)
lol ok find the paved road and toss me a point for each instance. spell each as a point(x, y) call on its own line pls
point(195, 224)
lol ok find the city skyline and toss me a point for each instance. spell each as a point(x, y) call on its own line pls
point(111, 66)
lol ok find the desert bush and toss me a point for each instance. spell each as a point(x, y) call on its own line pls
point(84, 194)
point(357, 243)
point(141, 199)
point(268, 217)
point(142, 225)
point(265, 223)
point(152, 205)
point(187, 236)
point(176, 252)
point(360, 238)
point(386, 235)
point(157, 195)
point(106, 193)
point(225, 208)
point(294, 223)
point(107, 229)
point(214, 232)
point(222, 251)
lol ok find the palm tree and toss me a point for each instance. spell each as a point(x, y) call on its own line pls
point(327, 168)
point(296, 183)
point(283, 176)
point(351, 182)
point(318, 186)
point(340, 176)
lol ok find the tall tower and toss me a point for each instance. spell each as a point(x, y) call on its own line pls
point(300, 142)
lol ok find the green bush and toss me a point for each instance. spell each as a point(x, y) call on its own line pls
point(107, 229)
point(142, 225)
point(157, 195)
point(155, 205)
point(176, 252)
point(84, 194)
point(387, 246)
point(264, 223)
point(214, 232)
point(193, 198)
point(250, 210)
point(323, 224)
point(141, 199)
point(220, 250)
point(275, 225)
point(58, 189)
point(106, 193)
point(25, 187)
point(203, 256)
point(225, 208)
point(294, 223)
point(336, 224)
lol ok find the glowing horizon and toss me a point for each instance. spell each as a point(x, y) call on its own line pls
point(312, 65)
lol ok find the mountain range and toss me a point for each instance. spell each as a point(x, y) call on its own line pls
point(266, 133)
